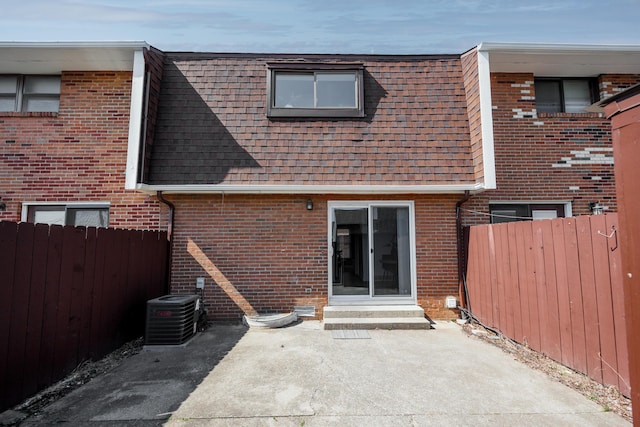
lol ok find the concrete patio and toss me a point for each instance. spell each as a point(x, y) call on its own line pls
point(303, 375)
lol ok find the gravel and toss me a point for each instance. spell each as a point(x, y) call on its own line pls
point(606, 396)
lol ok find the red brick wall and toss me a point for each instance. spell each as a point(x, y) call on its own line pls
point(264, 251)
point(76, 155)
point(538, 156)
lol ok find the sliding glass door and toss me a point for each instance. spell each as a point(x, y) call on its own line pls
point(371, 252)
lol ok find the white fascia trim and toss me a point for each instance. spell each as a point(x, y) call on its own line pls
point(486, 119)
point(554, 47)
point(135, 120)
point(76, 44)
point(309, 189)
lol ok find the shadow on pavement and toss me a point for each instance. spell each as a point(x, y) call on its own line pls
point(146, 388)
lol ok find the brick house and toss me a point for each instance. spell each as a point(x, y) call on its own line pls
point(553, 157)
point(315, 180)
point(68, 114)
point(306, 181)
point(281, 203)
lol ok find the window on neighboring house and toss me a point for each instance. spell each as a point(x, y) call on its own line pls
point(29, 93)
point(508, 212)
point(304, 90)
point(88, 215)
point(565, 95)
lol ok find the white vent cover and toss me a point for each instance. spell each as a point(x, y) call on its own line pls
point(450, 302)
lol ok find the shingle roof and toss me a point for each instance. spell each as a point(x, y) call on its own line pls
point(212, 126)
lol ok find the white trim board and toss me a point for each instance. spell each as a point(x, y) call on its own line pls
point(309, 189)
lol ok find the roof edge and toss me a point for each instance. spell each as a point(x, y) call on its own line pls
point(315, 56)
point(309, 189)
point(554, 47)
point(131, 44)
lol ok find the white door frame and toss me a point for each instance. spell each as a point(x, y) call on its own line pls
point(370, 299)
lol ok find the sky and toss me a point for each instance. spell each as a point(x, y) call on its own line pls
point(322, 26)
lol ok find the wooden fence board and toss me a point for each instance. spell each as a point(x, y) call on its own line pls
point(531, 286)
point(135, 309)
point(36, 307)
point(523, 283)
point(604, 304)
point(491, 270)
point(53, 310)
point(109, 321)
point(50, 309)
point(502, 274)
point(552, 347)
point(64, 298)
point(86, 295)
point(20, 307)
point(473, 293)
point(558, 286)
point(589, 302)
point(542, 311)
point(76, 248)
point(562, 281)
point(121, 289)
point(575, 296)
point(502, 258)
point(483, 264)
point(615, 261)
point(8, 242)
point(515, 286)
point(98, 303)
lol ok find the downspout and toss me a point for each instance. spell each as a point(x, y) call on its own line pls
point(461, 252)
point(169, 237)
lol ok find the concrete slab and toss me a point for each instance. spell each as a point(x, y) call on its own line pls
point(146, 388)
point(301, 375)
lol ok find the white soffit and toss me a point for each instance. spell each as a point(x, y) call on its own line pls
point(55, 57)
point(563, 60)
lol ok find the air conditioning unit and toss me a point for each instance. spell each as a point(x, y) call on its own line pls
point(171, 319)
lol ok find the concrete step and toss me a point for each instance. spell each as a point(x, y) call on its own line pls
point(375, 317)
point(372, 311)
point(376, 323)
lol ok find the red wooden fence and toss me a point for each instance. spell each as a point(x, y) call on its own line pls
point(556, 286)
point(69, 294)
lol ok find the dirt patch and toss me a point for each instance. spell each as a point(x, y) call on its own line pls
point(608, 397)
point(81, 375)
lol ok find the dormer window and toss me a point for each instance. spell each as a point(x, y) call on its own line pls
point(29, 93)
point(556, 95)
point(315, 90)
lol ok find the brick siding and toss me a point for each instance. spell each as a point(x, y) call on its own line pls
point(76, 155)
point(265, 251)
point(548, 156)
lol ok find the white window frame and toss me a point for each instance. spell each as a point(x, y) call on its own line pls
point(593, 94)
point(315, 69)
point(369, 299)
point(24, 217)
point(19, 94)
point(566, 203)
